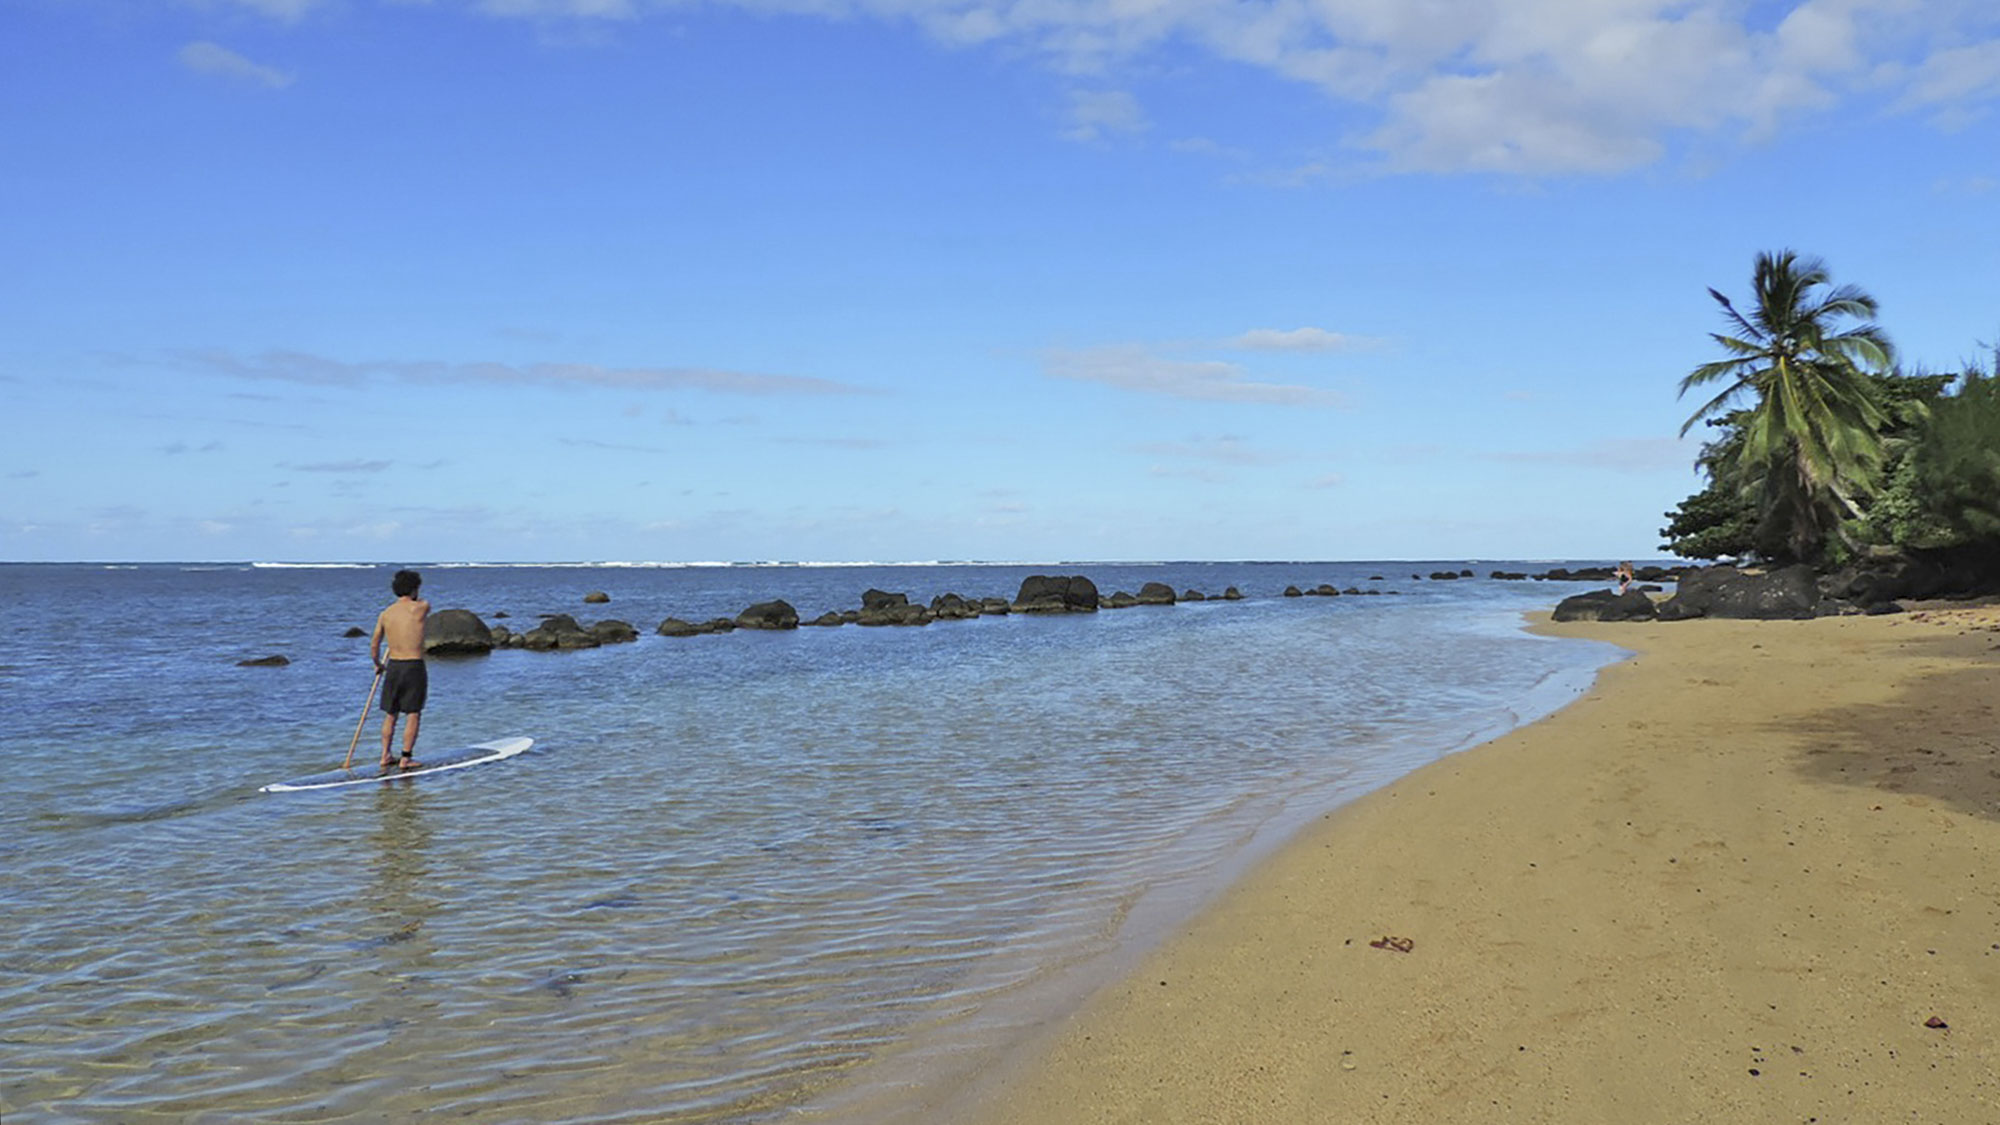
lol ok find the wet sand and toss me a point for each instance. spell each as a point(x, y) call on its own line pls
point(1752, 876)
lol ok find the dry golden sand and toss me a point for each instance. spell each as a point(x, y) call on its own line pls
point(1730, 884)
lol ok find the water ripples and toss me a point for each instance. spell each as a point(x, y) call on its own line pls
point(730, 870)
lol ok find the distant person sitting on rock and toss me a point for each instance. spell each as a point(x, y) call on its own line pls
point(1624, 576)
point(404, 679)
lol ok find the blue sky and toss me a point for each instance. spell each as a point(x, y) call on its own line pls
point(921, 279)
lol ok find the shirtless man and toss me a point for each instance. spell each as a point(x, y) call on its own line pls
point(404, 681)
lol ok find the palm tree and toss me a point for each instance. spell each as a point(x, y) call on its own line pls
point(1811, 442)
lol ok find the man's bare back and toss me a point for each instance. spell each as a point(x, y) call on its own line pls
point(402, 625)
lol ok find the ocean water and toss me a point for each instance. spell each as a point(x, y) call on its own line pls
point(731, 870)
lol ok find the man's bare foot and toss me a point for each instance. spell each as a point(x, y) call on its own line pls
point(410, 763)
point(387, 762)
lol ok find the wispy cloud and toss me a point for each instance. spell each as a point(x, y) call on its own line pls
point(1305, 339)
point(1095, 115)
point(612, 446)
point(300, 367)
point(342, 467)
point(1133, 368)
point(204, 57)
point(1224, 450)
point(1515, 87)
point(1633, 455)
point(855, 443)
point(290, 11)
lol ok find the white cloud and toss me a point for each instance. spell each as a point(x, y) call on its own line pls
point(290, 11)
point(1633, 455)
point(1956, 82)
point(1133, 368)
point(343, 467)
point(1517, 87)
point(204, 57)
point(1306, 339)
point(1094, 114)
point(299, 367)
point(1223, 450)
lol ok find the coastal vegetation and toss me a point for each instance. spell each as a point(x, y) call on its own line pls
point(1825, 452)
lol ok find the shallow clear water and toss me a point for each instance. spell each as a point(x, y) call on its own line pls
point(731, 867)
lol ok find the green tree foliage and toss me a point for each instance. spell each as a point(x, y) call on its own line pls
point(1953, 470)
point(1811, 448)
point(1720, 520)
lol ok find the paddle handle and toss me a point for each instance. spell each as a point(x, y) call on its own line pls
point(362, 721)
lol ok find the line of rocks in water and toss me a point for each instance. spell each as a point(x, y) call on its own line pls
point(459, 631)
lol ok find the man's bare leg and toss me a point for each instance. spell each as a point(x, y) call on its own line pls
point(410, 742)
point(388, 735)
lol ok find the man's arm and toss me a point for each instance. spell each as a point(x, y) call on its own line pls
point(375, 644)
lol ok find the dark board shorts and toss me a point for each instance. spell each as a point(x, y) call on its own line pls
point(404, 686)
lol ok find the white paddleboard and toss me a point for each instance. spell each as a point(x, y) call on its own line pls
point(478, 754)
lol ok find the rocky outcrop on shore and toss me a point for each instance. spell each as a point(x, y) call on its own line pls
point(1607, 605)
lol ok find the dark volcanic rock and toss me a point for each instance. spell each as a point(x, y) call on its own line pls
point(994, 606)
point(1193, 596)
point(596, 597)
point(1041, 593)
point(881, 599)
point(559, 631)
point(769, 615)
point(355, 631)
point(456, 632)
point(1605, 605)
point(951, 607)
point(897, 612)
point(1327, 590)
point(1232, 594)
point(1914, 575)
point(827, 620)
point(1294, 592)
point(675, 627)
point(1724, 591)
point(1119, 600)
point(611, 631)
point(272, 661)
point(1156, 593)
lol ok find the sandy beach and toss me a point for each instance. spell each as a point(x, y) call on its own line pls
point(1752, 876)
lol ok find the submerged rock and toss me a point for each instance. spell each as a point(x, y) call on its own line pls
point(272, 661)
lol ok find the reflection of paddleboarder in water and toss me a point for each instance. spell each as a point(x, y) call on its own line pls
point(404, 680)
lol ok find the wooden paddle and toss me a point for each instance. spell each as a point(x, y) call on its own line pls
point(363, 720)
